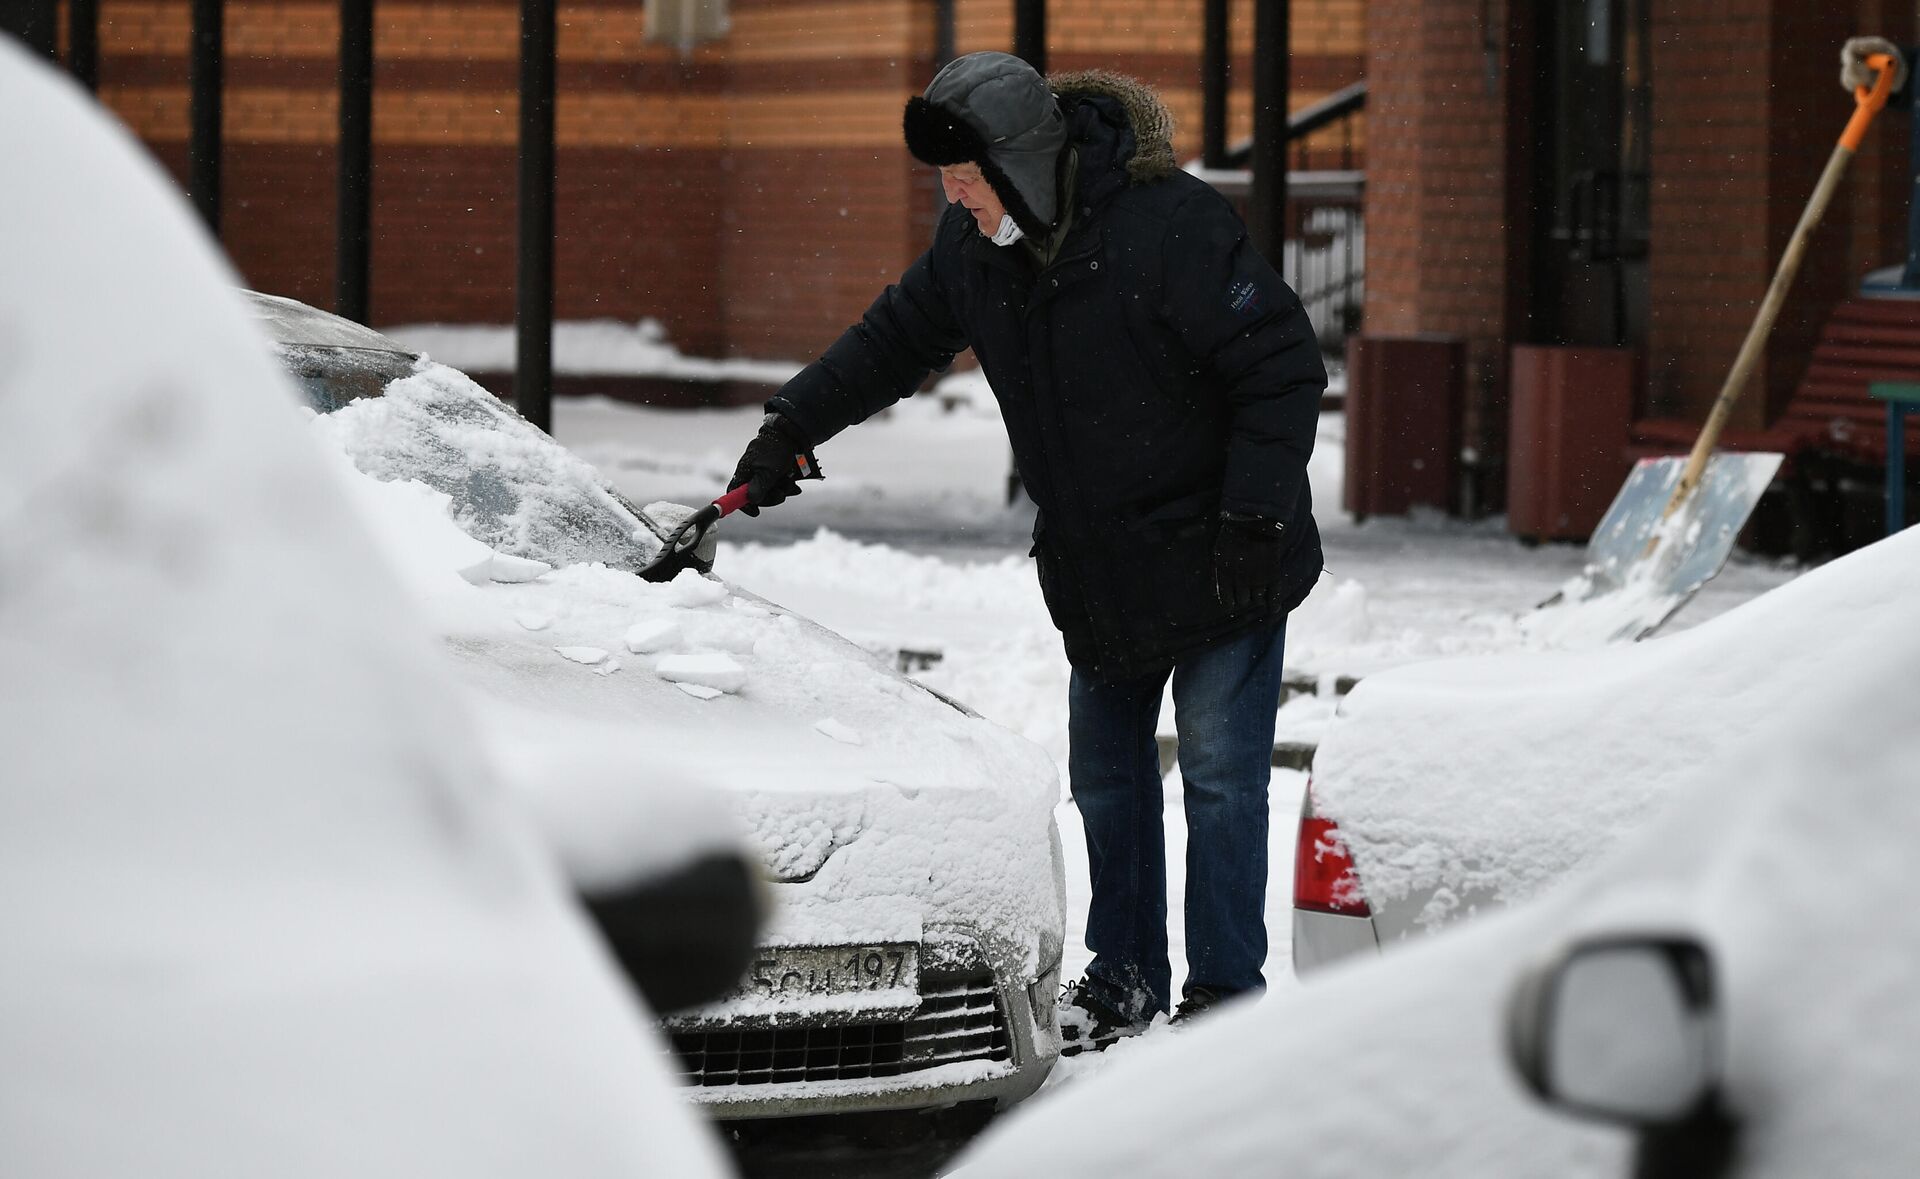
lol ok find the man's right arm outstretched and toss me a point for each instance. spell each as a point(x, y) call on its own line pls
point(910, 331)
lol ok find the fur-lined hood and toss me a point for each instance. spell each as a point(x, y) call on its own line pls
point(1151, 122)
point(993, 110)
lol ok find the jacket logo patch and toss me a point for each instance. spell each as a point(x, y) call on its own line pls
point(1244, 298)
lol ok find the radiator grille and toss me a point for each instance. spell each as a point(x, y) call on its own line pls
point(959, 1018)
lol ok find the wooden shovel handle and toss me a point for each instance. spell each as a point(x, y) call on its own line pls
point(1867, 103)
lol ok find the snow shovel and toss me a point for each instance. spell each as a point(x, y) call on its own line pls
point(1674, 522)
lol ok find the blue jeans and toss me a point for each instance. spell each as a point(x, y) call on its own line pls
point(1225, 696)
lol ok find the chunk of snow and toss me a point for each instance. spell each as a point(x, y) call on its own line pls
point(652, 634)
point(838, 731)
point(713, 670)
point(586, 655)
point(668, 515)
point(690, 589)
point(606, 667)
point(511, 569)
point(699, 691)
point(720, 632)
point(533, 619)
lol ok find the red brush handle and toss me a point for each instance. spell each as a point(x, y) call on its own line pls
point(732, 501)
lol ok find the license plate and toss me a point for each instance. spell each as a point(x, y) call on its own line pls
point(799, 971)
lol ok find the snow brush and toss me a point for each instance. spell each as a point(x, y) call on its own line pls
point(677, 553)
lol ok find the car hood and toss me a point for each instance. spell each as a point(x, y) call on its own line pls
point(879, 808)
point(1490, 778)
point(1790, 855)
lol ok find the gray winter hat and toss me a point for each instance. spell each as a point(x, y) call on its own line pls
point(994, 110)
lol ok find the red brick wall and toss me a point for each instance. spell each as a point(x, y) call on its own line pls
point(1878, 194)
point(809, 239)
point(754, 195)
point(1746, 109)
point(1442, 239)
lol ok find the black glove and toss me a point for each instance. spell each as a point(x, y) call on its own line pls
point(773, 464)
point(1247, 560)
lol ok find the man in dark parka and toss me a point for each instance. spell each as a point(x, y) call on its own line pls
point(1160, 385)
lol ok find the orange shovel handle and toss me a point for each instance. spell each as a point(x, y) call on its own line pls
point(1867, 103)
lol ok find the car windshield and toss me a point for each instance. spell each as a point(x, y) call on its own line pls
point(401, 416)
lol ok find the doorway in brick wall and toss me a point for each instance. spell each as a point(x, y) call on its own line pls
point(1592, 188)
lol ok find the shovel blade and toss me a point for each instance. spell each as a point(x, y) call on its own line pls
point(1640, 567)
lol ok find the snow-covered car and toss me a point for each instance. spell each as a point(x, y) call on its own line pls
point(1449, 788)
point(679, 915)
point(266, 909)
point(1773, 885)
point(913, 949)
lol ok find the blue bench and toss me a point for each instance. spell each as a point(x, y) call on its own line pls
point(1902, 398)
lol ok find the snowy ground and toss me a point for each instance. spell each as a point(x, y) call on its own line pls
point(908, 546)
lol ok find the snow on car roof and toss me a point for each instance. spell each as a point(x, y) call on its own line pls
point(291, 322)
point(265, 909)
point(1789, 851)
point(1496, 775)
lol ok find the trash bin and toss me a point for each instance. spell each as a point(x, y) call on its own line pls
point(1571, 415)
point(1404, 396)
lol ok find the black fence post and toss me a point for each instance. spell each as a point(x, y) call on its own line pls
point(1214, 51)
point(83, 42)
point(36, 22)
point(533, 296)
point(943, 32)
point(204, 78)
point(1267, 204)
point(353, 212)
point(1030, 33)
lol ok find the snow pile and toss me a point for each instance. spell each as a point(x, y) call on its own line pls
point(1334, 616)
point(593, 347)
point(714, 670)
point(985, 621)
point(1396, 1066)
point(1492, 777)
point(266, 911)
point(655, 634)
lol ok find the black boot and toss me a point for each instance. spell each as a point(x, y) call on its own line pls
point(1197, 1002)
point(1087, 1024)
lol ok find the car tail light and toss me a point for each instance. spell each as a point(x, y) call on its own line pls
point(1323, 877)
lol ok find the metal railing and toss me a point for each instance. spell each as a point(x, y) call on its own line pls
point(1324, 258)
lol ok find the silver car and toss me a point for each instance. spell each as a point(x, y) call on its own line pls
point(913, 949)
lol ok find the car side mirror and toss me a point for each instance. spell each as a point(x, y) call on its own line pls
point(685, 937)
point(1626, 1029)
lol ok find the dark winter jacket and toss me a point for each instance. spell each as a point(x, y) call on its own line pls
point(1156, 373)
